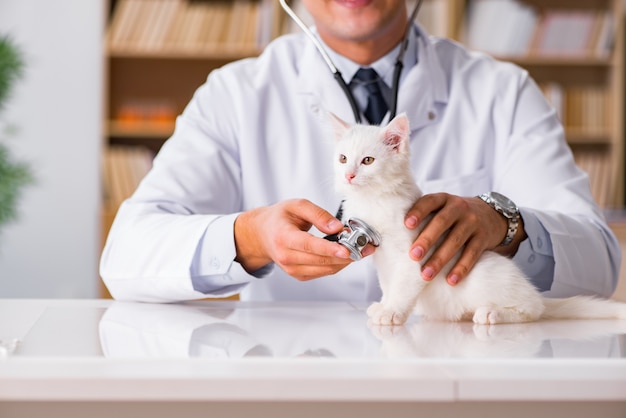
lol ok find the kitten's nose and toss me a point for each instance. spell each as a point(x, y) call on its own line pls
point(350, 177)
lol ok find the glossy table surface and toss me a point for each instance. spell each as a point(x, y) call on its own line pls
point(234, 351)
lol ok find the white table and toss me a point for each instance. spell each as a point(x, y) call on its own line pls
point(100, 358)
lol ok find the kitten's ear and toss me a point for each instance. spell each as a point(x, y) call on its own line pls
point(340, 127)
point(396, 133)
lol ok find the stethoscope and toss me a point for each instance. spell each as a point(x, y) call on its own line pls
point(346, 90)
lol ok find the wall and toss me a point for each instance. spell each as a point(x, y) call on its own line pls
point(52, 250)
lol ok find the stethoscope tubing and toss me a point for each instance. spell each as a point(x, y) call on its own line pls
point(337, 74)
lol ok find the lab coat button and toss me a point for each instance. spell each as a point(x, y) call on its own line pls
point(215, 263)
point(431, 115)
point(539, 242)
point(531, 259)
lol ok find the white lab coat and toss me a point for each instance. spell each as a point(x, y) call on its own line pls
point(256, 133)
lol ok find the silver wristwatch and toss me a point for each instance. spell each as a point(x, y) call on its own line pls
point(506, 208)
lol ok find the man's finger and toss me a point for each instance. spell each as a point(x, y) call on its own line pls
point(315, 215)
point(468, 259)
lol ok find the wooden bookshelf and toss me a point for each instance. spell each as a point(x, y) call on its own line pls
point(160, 51)
point(589, 75)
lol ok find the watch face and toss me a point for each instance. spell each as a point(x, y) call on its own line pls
point(504, 202)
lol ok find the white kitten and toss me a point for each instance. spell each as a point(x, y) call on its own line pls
point(373, 173)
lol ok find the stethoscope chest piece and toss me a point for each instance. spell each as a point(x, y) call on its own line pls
point(356, 236)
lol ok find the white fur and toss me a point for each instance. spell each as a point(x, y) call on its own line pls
point(466, 340)
point(380, 193)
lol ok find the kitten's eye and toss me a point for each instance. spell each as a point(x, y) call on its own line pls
point(367, 160)
point(343, 159)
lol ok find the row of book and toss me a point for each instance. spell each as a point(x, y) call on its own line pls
point(514, 28)
point(183, 26)
point(123, 168)
point(167, 26)
point(597, 164)
point(500, 27)
point(141, 111)
point(584, 109)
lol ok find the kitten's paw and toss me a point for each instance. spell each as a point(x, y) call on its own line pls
point(487, 316)
point(504, 331)
point(385, 332)
point(388, 317)
point(510, 315)
point(374, 308)
point(483, 332)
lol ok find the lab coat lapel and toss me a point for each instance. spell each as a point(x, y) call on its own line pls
point(424, 90)
point(318, 87)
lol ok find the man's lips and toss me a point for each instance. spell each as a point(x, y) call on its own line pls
point(354, 3)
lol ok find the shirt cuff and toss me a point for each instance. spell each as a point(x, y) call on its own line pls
point(535, 256)
point(216, 250)
point(211, 269)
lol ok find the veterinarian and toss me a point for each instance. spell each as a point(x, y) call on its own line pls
point(241, 195)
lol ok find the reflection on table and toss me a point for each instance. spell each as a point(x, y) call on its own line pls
point(337, 330)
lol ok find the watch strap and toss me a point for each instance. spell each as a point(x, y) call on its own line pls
point(511, 231)
point(512, 218)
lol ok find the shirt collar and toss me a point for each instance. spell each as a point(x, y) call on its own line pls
point(383, 66)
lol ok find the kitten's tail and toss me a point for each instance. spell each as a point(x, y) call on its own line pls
point(583, 307)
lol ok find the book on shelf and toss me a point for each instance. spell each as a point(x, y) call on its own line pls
point(500, 27)
point(587, 109)
point(572, 33)
point(583, 110)
point(604, 41)
point(597, 165)
point(171, 26)
point(123, 169)
point(190, 32)
point(514, 28)
point(120, 30)
point(172, 29)
point(238, 23)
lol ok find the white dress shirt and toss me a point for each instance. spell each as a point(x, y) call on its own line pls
point(257, 133)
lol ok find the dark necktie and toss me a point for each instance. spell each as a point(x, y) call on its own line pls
point(376, 106)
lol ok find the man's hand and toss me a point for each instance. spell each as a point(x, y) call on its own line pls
point(471, 225)
point(278, 233)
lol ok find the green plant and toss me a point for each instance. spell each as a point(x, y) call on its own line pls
point(13, 175)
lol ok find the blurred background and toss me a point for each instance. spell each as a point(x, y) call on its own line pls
point(102, 82)
point(53, 121)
